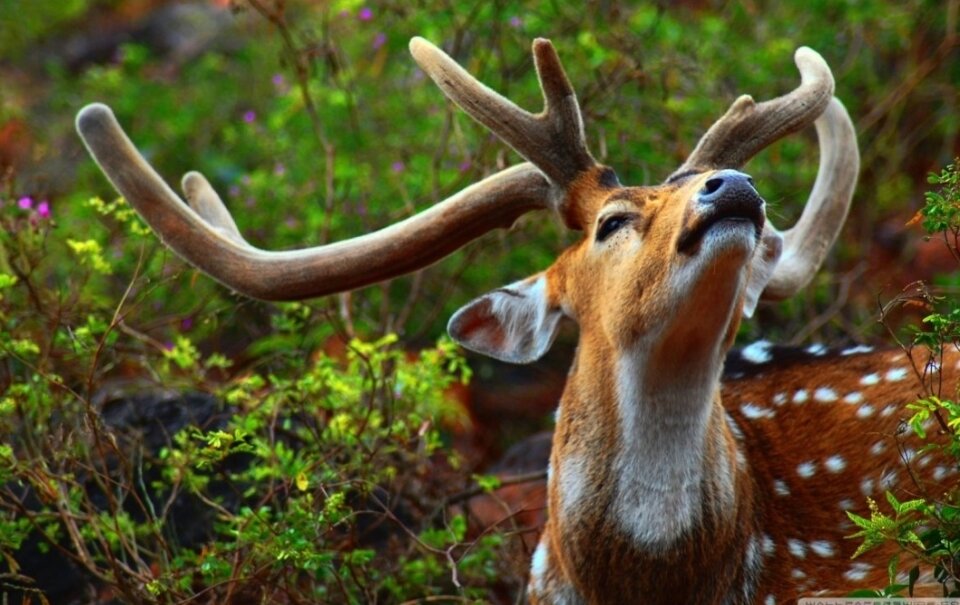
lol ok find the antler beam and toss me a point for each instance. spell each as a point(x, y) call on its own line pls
point(207, 237)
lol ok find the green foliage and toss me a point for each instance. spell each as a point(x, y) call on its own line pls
point(927, 528)
point(324, 480)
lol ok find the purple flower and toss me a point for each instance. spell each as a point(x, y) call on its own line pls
point(278, 80)
point(26, 202)
point(379, 40)
point(397, 167)
point(279, 169)
point(43, 209)
point(249, 116)
point(516, 22)
point(186, 323)
point(234, 190)
point(365, 14)
point(465, 165)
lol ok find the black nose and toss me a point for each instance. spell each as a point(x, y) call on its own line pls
point(724, 184)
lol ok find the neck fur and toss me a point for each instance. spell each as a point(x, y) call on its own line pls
point(674, 464)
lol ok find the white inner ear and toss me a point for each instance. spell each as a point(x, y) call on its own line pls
point(763, 266)
point(516, 324)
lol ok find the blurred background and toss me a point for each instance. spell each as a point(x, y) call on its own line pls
point(313, 122)
point(315, 125)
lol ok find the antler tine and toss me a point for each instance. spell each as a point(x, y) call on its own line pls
point(748, 127)
point(552, 140)
point(207, 237)
point(207, 203)
point(806, 244)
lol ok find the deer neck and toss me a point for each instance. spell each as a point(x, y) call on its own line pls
point(674, 466)
point(648, 430)
point(646, 479)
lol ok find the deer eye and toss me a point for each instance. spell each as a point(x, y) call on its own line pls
point(611, 224)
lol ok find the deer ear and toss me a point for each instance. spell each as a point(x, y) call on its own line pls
point(516, 324)
point(764, 264)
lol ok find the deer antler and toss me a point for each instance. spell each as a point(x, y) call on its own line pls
point(806, 244)
point(749, 127)
point(205, 234)
point(552, 140)
point(207, 237)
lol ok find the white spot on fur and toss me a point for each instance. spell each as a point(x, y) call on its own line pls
point(909, 454)
point(888, 479)
point(835, 464)
point(752, 566)
point(817, 349)
point(538, 567)
point(754, 411)
point(878, 448)
point(572, 482)
point(867, 487)
point(806, 469)
point(825, 395)
point(853, 398)
point(768, 546)
point(770, 600)
point(734, 427)
point(822, 548)
point(939, 473)
point(780, 487)
point(846, 504)
point(800, 396)
point(757, 352)
point(865, 411)
point(779, 399)
point(857, 572)
point(870, 379)
point(895, 375)
point(798, 574)
point(797, 548)
point(890, 409)
point(857, 349)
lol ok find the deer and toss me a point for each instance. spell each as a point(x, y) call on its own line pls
point(669, 481)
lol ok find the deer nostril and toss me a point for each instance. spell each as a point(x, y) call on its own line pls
point(712, 185)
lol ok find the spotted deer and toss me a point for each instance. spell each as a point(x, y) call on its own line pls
point(666, 484)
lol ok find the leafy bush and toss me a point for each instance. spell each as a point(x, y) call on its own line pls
point(321, 478)
point(928, 527)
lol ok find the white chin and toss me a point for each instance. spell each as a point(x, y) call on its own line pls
point(729, 237)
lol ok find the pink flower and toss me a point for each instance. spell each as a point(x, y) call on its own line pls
point(379, 40)
point(43, 209)
point(25, 203)
point(516, 22)
point(397, 167)
point(465, 165)
point(365, 14)
point(249, 116)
